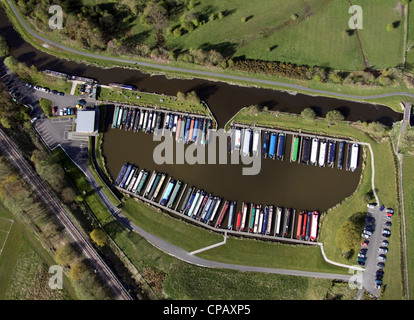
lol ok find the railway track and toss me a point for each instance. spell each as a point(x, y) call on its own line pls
point(10, 150)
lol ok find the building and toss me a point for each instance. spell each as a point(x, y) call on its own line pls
point(85, 122)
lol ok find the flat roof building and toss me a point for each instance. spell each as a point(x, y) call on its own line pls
point(85, 121)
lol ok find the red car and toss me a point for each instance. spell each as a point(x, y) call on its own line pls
point(389, 212)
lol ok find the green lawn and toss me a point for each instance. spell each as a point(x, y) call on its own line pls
point(408, 174)
point(315, 37)
point(24, 266)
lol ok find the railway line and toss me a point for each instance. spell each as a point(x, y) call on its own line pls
point(9, 149)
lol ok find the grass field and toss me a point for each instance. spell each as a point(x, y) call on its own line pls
point(408, 174)
point(24, 265)
point(315, 36)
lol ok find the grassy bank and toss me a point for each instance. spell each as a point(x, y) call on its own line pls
point(145, 99)
point(24, 265)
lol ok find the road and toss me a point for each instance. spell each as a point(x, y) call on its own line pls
point(198, 73)
point(10, 150)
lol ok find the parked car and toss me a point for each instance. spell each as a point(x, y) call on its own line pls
point(381, 264)
point(60, 94)
point(383, 249)
point(371, 205)
point(382, 208)
point(33, 120)
point(54, 92)
point(382, 257)
point(54, 110)
point(388, 224)
point(364, 243)
point(384, 243)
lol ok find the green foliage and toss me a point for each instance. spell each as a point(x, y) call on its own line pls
point(348, 235)
point(272, 68)
point(334, 116)
point(65, 255)
point(99, 237)
point(4, 47)
point(308, 113)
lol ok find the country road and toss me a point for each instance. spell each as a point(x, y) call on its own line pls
point(9, 149)
point(199, 73)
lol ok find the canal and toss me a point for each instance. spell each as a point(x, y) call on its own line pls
point(280, 183)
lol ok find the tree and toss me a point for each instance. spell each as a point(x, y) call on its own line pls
point(390, 27)
point(65, 255)
point(4, 48)
point(99, 237)
point(77, 271)
point(308, 113)
point(348, 235)
point(334, 116)
point(156, 15)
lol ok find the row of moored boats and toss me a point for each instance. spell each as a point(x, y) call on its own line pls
point(304, 149)
point(207, 208)
point(187, 128)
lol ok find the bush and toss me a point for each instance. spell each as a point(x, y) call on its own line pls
point(308, 113)
point(99, 237)
point(334, 116)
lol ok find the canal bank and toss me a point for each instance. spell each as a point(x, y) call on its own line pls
point(224, 99)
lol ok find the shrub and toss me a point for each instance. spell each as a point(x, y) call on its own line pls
point(308, 113)
point(99, 237)
point(334, 116)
